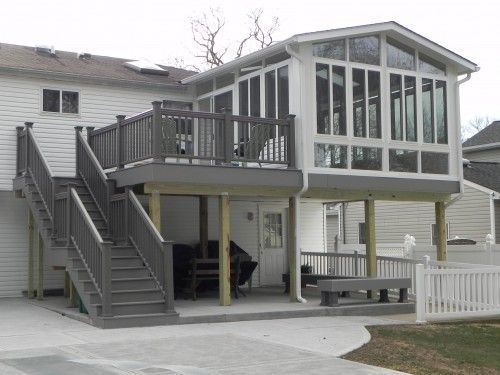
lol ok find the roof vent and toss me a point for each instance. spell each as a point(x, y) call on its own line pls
point(45, 49)
point(146, 67)
point(84, 55)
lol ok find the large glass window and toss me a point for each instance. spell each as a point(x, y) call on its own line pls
point(255, 96)
point(403, 103)
point(396, 107)
point(368, 158)
point(441, 115)
point(358, 102)
point(434, 111)
point(322, 99)
point(374, 121)
point(277, 79)
point(330, 156)
point(428, 110)
point(334, 49)
point(411, 108)
point(400, 56)
point(270, 79)
point(435, 162)
point(365, 50)
point(403, 161)
point(359, 82)
point(429, 65)
point(60, 101)
point(243, 98)
point(338, 100)
point(283, 92)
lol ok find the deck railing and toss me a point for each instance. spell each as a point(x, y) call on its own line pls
point(163, 133)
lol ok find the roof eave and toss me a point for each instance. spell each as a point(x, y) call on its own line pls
point(485, 146)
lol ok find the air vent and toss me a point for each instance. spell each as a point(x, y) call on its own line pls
point(84, 55)
point(45, 49)
point(146, 67)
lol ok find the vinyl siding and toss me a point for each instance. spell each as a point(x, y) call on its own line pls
point(468, 217)
point(20, 101)
point(484, 155)
point(497, 221)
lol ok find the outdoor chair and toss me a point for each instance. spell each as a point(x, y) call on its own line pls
point(252, 147)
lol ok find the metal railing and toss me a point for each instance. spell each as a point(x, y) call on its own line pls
point(163, 133)
point(94, 252)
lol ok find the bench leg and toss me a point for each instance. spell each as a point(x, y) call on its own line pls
point(329, 299)
point(345, 294)
point(384, 296)
point(287, 287)
point(403, 295)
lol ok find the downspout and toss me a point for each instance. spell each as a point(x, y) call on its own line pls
point(492, 217)
point(305, 186)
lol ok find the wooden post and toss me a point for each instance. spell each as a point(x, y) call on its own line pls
point(292, 247)
point(224, 261)
point(39, 287)
point(155, 209)
point(31, 255)
point(371, 243)
point(204, 226)
point(119, 145)
point(156, 132)
point(441, 231)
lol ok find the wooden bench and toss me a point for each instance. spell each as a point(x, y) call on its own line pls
point(310, 279)
point(330, 289)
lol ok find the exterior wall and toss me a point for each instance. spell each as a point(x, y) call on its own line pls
point(332, 230)
point(468, 217)
point(20, 101)
point(492, 155)
point(497, 221)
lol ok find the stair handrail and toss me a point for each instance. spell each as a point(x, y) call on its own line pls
point(94, 252)
point(155, 252)
point(92, 174)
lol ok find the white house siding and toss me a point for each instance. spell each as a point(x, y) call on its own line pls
point(14, 249)
point(20, 101)
point(332, 230)
point(468, 217)
point(497, 221)
point(484, 155)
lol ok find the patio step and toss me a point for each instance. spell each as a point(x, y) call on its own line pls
point(132, 308)
point(139, 295)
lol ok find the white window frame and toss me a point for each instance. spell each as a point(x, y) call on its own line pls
point(60, 113)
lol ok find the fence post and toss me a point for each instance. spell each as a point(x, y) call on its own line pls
point(156, 133)
point(119, 161)
point(28, 125)
point(356, 265)
point(169, 277)
point(409, 246)
point(291, 141)
point(426, 259)
point(106, 279)
point(228, 136)
point(420, 293)
point(489, 244)
point(90, 129)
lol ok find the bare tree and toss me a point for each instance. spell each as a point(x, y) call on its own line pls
point(474, 126)
point(207, 33)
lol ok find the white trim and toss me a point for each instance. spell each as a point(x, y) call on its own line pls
point(482, 188)
point(486, 146)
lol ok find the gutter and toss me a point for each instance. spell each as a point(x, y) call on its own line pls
point(492, 217)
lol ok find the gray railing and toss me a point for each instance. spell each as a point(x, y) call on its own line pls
point(94, 252)
point(217, 137)
point(60, 212)
point(130, 222)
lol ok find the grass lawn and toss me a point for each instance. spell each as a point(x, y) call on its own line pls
point(445, 348)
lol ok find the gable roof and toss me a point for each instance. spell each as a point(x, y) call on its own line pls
point(392, 28)
point(26, 59)
point(490, 134)
point(483, 173)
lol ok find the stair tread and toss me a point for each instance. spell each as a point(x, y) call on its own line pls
point(131, 316)
point(134, 303)
point(129, 291)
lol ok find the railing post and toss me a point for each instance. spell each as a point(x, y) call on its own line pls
point(356, 265)
point(19, 132)
point(119, 146)
point(78, 129)
point(110, 187)
point(106, 279)
point(291, 141)
point(169, 277)
point(419, 293)
point(126, 213)
point(156, 134)
point(90, 129)
point(228, 136)
point(28, 125)
point(490, 244)
point(426, 259)
point(68, 215)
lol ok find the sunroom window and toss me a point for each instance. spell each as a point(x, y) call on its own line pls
point(360, 78)
point(330, 115)
point(403, 104)
point(400, 56)
point(403, 161)
point(365, 49)
point(429, 65)
point(434, 111)
point(435, 162)
point(334, 49)
point(322, 99)
point(368, 158)
point(330, 156)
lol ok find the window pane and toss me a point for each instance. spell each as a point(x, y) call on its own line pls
point(399, 55)
point(427, 110)
point(51, 101)
point(243, 97)
point(255, 96)
point(428, 65)
point(223, 101)
point(441, 115)
point(403, 161)
point(361, 233)
point(330, 156)
point(334, 49)
point(69, 102)
point(369, 158)
point(271, 94)
point(358, 101)
point(410, 107)
point(273, 230)
point(338, 97)
point(434, 162)
point(283, 106)
point(224, 80)
point(364, 50)
point(374, 122)
point(322, 99)
point(396, 108)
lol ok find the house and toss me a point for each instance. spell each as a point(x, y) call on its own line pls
point(485, 145)
point(248, 151)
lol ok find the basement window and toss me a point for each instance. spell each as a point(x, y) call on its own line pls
point(60, 101)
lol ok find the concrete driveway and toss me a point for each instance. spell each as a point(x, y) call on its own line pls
point(34, 340)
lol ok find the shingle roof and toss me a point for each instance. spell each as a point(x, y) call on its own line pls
point(484, 173)
point(490, 134)
point(68, 63)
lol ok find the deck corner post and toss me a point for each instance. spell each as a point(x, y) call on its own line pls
point(119, 145)
point(19, 131)
point(78, 130)
point(39, 288)
point(106, 279)
point(31, 257)
point(90, 130)
point(291, 141)
point(156, 132)
point(292, 248)
point(441, 231)
point(228, 136)
point(28, 126)
point(224, 244)
point(371, 244)
point(420, 298)
point(168, 267)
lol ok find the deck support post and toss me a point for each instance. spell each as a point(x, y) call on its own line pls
point(292, 247)
point(31, 255)
point(441, 231)
point(119, 159)
point(155, 209)
point(371, 243)
point(204, 225)
point(39, 287)
point(224, 261)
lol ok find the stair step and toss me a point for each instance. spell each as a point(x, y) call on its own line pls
point(126, 261)
point(140, 320)
point(134, 308)
point(116, 273)
point(133, 283)
point(120, 296)
point(123, 251)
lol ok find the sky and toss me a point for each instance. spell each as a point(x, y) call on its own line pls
point(159, 30)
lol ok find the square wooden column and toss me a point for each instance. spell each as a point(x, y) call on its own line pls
point(204, 225)
point(31, 255)
point(39, 287)
point(292, 247)
point(441, 231)
point(155, 209)
point(371, 243)
point(224, 259)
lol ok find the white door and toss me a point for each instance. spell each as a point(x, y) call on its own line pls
point(272, 246)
